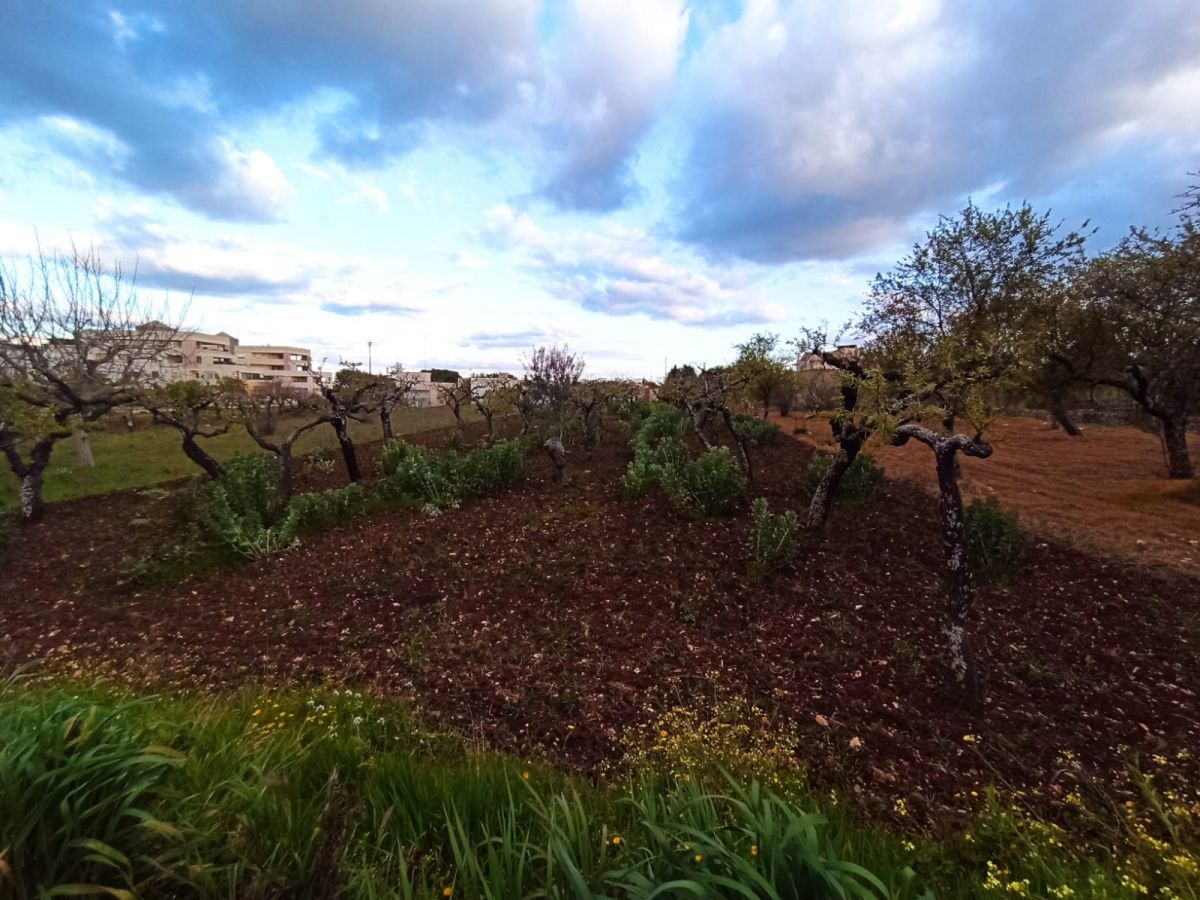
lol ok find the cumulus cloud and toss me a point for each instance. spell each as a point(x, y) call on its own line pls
point(170, 85)
point(170, 258)
point(616, 271)
point(608, 74)
point(822, 127)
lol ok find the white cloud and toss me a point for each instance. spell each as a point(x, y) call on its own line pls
point(614, 271)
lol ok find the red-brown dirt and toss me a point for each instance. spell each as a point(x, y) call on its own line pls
point(549, 620)
point(1105, 491)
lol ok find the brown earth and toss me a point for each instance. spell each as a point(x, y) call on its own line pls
point(1105, 491)
point(550, 620)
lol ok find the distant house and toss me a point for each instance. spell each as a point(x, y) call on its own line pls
point(814, 362)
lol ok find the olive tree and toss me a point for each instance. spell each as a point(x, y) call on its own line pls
point(76, 342)
point(351, 397)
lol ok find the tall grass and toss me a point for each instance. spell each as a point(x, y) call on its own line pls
point(336, 793)
point(341, 794)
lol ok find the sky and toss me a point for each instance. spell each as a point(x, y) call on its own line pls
point(647, 181)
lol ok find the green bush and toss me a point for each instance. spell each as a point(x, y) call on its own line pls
point(313, 513)
point(773, 539)
point(442, 481)
point(243, 509)
point(859, 482)
point(757, 432)
point(710, 485)
point(995, 542)
point(660, 423)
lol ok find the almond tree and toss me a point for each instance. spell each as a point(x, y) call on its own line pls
point(1138, 330)
point(393, 392)
point(707, 398)
point(73, 347)
point(491, 400)
point(589, 398)
point(310, 408)
point(457, 396)
point(766, 369)
point(350, 398)
point(957, 321)
point(192, 408)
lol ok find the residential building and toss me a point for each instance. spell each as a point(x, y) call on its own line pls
point(211, 357)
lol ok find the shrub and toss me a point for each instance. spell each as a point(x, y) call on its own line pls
point(442, 481)
point(242, 508)
point(757, 432)
point(994, 539)
point(773, 538)
point(709, 485)
point(660, 423)
point(313, 513)
point(860, 481)
point(489, 470)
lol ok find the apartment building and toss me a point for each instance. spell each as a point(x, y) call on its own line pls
point(211, 357)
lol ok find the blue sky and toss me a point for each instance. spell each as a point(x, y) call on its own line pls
point(458, 180)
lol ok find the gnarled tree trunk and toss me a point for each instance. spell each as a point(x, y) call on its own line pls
point(1059, 417)
point(822, 498)
point(966, 677)
point(1174, 436)
point(385, 421)
point(32, 473)
point(342, 430)
point(200, 456)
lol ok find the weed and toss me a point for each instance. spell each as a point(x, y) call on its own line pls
point(995, 542)
point(773, 539)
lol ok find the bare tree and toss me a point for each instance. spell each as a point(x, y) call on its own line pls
point(491, 399)
point(74, 345)
point(707, 398)
point(311, 408)
point(393, 392)
point(350, 398)
point(457, 396)
point(193, 409)
point(590, 398)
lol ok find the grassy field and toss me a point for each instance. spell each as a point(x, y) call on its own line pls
point(151, 455)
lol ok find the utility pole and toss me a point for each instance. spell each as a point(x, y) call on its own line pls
point(369, 345)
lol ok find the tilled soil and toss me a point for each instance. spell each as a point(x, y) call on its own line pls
point(549, 620)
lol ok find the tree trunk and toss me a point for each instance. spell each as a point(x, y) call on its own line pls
point(283, 460)
point(385, 420)
point(32, 475)
point(740, 441)
point(342, 431)
point(200, 457)
point(1174, 435)
point(966, 680)
point(1058, 416)
point(822, 499)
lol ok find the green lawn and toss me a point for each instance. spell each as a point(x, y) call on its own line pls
point(151, 455)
